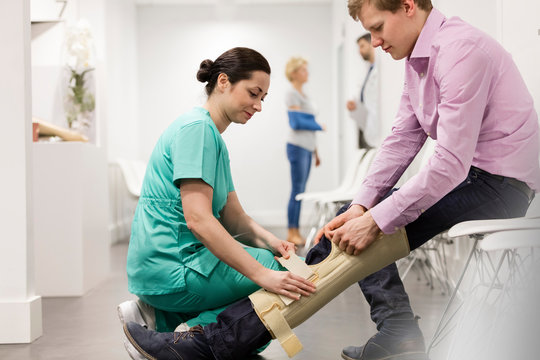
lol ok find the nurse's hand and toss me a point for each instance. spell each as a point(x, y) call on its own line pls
point(285, 283)
point(283, 248)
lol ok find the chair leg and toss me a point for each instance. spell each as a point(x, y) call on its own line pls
point(444, 321)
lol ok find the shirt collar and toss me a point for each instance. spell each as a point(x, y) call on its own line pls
point(430, 29)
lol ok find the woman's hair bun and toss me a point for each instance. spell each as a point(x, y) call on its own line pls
point(204, 73)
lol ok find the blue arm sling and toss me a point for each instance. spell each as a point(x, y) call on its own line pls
point(299, 120)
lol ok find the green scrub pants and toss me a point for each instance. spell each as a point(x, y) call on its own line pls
point(205, 297)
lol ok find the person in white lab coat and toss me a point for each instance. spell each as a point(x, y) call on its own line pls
point(364, 108)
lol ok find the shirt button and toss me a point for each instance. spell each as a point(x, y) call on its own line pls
point(422, 74)
point(422, 210)
point(428, 134)
point(396, 228)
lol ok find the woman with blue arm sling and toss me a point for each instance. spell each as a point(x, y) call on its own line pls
point(301, 141)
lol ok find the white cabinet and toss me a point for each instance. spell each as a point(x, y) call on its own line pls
point(72, 244)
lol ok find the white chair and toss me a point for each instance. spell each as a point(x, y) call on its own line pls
point(125, 183)
point(319, 213)
point(430, 259)
point(347, 182)
point(485, 275)
point(491, 306)
point(326, 204)
point(133, 172)
point(347, 194)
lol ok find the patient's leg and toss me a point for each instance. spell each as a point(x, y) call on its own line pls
point(250, 324)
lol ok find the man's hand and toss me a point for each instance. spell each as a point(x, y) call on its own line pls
point(353, 212)
point(356, 234)
point(351, 105)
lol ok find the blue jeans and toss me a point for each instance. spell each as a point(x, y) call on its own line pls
point(238, 330)
point(300, 160)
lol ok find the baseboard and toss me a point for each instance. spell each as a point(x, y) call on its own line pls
point(22, 321)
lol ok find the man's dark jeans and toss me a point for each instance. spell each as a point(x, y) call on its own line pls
point(478, 197)
point(239, 331)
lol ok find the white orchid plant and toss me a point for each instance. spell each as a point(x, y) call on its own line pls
point(79, 60)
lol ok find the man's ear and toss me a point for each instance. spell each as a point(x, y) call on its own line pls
point(409, 6)
point(223, 81)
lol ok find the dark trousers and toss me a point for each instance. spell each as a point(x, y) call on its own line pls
point(238, 330)
point(480, 196)
point(362, 143)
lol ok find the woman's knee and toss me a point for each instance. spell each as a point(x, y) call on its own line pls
point(266, 258)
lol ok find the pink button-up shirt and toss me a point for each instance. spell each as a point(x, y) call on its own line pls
point(463, 90)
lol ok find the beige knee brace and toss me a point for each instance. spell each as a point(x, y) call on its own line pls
point(331, 277)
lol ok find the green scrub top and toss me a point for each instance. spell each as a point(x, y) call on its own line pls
point(161, 245)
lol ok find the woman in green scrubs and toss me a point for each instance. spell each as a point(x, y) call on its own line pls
point(183, 260)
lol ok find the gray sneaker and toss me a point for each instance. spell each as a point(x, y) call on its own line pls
point(396, 340)
point(138, 312)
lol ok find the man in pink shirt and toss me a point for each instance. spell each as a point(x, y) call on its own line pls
point(463, 90)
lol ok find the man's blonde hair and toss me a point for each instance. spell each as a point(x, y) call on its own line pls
point(294, 64)
point(389, 5)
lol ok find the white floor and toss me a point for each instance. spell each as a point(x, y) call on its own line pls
point(87, 327)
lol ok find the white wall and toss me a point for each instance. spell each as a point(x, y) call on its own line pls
point(173, 40)
point(20, 308)
point(122, 125)
point(349, 72)
point(520, 21)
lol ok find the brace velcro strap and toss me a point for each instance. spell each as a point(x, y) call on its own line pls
point(283, 332)
point(268, 308)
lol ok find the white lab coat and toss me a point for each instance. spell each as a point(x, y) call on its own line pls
point(366, 114)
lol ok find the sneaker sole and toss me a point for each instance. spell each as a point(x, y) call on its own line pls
point(406, 356)
point(131, 350)
point(129, 311)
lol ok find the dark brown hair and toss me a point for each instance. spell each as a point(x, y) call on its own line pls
point(237, 63)
point(390, 5)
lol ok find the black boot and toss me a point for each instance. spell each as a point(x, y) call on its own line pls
point(397, 339)
point(153, 345)
point(236, 334)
